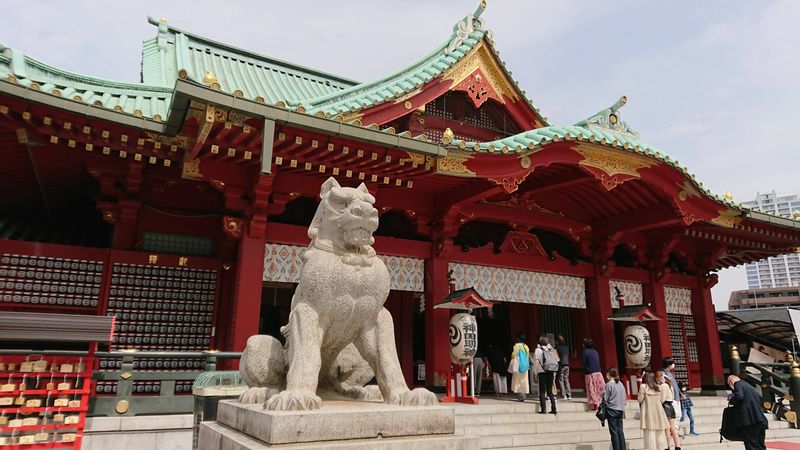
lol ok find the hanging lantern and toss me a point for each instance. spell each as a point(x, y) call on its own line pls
point(463, 338)
point(638, 348)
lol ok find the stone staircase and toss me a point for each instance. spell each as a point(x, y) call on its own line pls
point(506, 424)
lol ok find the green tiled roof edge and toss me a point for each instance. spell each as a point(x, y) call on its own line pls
point(535, 139)
point(132, 98)
point(414, 75)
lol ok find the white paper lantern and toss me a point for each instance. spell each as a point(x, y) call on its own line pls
point(463, 338)
point(638, 348)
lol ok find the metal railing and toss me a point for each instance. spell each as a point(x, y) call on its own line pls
point(124, 401)
point(779, 384)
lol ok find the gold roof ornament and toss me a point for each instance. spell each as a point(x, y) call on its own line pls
point(163, 20)
point(447, 136)
point(728, 196)
point(796, 213)
point(211, 80)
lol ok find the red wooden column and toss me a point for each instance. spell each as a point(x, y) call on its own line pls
point(247, 289)
point(598, 305)
point(437, 321)
point(705, 324)
point(659, 330)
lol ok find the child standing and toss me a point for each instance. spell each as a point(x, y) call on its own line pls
point(686, 405)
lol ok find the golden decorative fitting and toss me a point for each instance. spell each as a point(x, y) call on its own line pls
point(182, 74)
point(796, 213)
point(163, 20)
point(728, 196)
point(238, 93)
point(767, 405)
point(734, 352)
point(122, 406)
point(447, 136)
point(525, 162)
point(791, 416)
point(407, 104)
point(209, 78)
point(260, 99)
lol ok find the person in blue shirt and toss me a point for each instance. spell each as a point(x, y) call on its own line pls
point(686, 406)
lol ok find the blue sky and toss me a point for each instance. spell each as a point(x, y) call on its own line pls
point(715, 84)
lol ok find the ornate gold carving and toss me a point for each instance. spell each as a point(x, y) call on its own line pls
point(525, 162)
point(481, 58)
point(728, 218)
point(191, 170)
point(791, 416)
point(615, 166)
point(179, 140)
point(447, 136)
point(517, 202)
point(453, 166)
point(415, 159)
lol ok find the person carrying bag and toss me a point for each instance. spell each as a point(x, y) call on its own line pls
point(545, 367)
point(518, 368)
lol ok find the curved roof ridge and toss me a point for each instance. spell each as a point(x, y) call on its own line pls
point(59, 76)
point(254, 55)
point(466, 34)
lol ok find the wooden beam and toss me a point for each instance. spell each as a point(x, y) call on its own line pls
point(639, 220)
point(548, 185)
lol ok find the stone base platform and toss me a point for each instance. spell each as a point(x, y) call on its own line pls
point(337, 425)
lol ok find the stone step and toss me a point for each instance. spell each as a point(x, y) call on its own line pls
point(493, 406)
point(600, 441)
point(215, 436)
point(703, 415)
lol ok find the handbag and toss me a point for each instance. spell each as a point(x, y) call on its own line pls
point(602, 413)
point(513, 366)
point(669, 409)
point(727, 429)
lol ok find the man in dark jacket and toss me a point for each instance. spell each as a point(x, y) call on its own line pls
point(749, 417)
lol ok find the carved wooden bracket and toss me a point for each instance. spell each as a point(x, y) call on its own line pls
point(524, 243)
point(710, 280)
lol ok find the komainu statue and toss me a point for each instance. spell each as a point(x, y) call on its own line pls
point(337, 318)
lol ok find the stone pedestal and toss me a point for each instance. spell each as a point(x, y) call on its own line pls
point(338, 424)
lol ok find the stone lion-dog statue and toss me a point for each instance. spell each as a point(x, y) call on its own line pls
point(337, 317)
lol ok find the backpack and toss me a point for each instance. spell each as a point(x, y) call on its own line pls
point(728, 430)
point(549, 360)
point(523, 364)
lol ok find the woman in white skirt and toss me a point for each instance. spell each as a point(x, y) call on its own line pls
point(520, 358)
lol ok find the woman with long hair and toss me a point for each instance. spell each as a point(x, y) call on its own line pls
point(593, 376)
point(614, 398)
point(653, 419)
point(519, 379)
point(669, 409)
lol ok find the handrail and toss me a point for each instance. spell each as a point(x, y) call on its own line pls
point(774, 387)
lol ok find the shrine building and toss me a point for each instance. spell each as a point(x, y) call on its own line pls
point(180, 204)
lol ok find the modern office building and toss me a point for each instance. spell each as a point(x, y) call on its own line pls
point(763, 298)
point(782, 270)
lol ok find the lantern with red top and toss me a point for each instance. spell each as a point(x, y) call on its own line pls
point(463, 342)
point(638, 347)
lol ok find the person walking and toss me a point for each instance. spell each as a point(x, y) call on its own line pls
point(478, 366)
point(686, 407)
point(614, 399)
point(562, 377)
point(653, 419)
point(497, 365)
point(519, 374)
point(669, 409)
point(748, 416)
point(545, 367)
point(593, 377)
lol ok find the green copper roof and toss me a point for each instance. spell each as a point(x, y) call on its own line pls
point(599, 129)
point(132, 98)
point(176, 53)
point(467, 33)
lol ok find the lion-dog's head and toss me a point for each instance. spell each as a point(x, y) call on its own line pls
point(345, 216)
